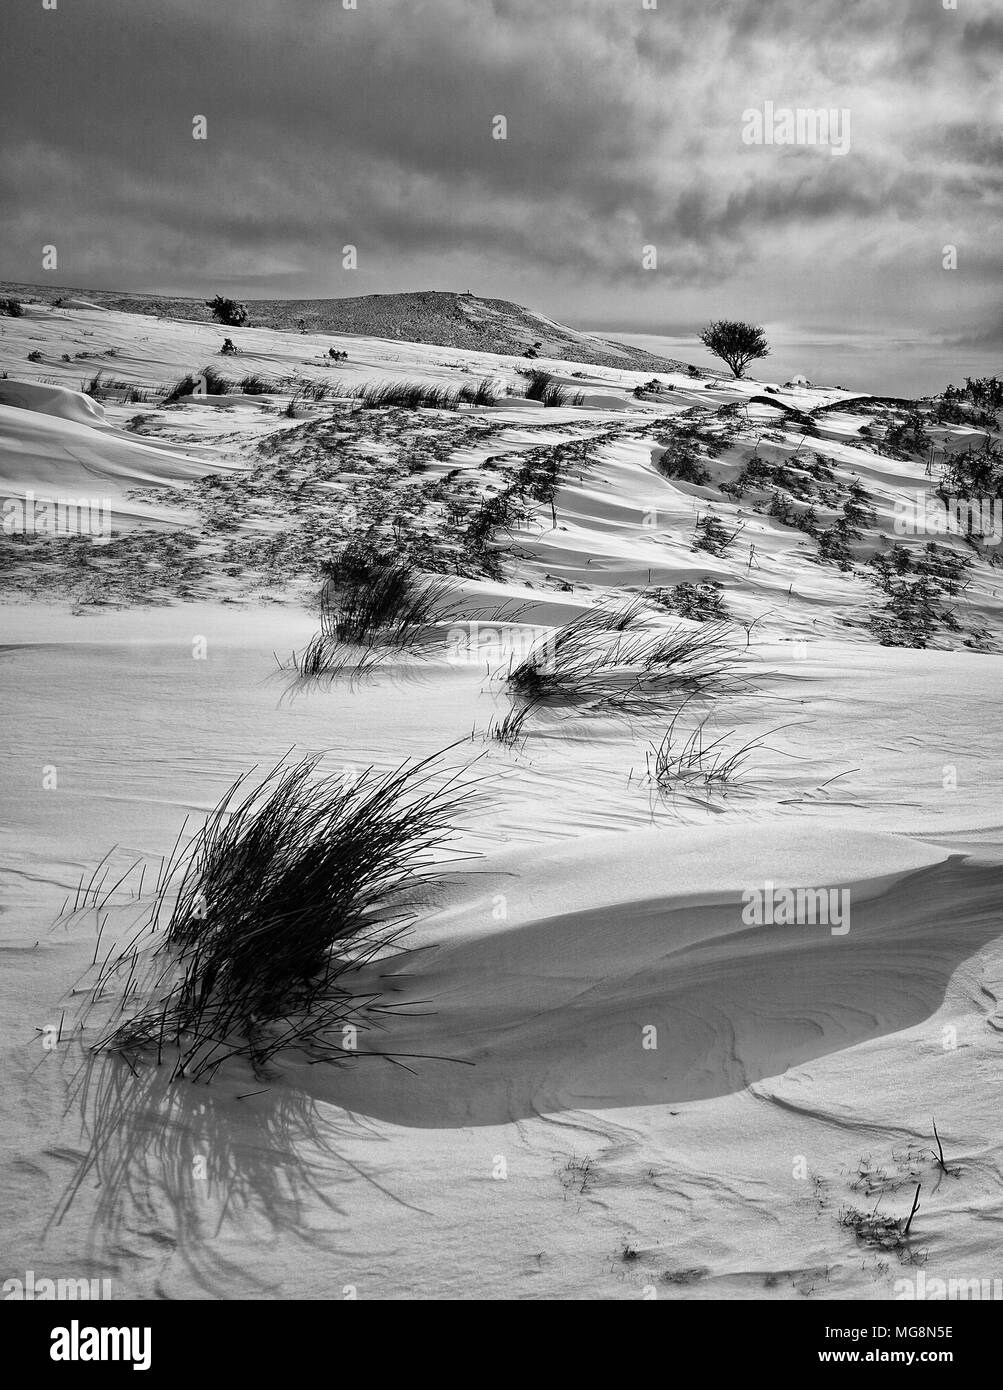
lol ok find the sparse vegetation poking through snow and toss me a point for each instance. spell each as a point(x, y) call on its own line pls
point(536, 479)
point(606, 659)
point(699, 603)
point(805, 481)
point(834, 542)
point(913, 614)
point(712, 536)
point(873, 1229)
point(281, 896)
point(698, 759)
point(579, 1173)
point(783, 510)
point(11, 308)
point(857, 510)
point(881, 1232)
point(100, 388)
point(312, 391)
point(508, 731)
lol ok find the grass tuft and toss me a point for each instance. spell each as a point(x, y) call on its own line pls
point(697, 760)
point(254, 385)
point(545, 388)
point(607, 658)
point(372, 604)
point(407, 395)
point(208, 382)
point(282, 895)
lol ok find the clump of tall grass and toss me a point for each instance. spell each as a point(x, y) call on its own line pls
point(371, 604)
point(254, 385)
point(607, 658)
point(272, 904)
point(479, 393)
point(508, 731)
point(315, 391)
point(208, 382)
point(390, 606)
point(97, 388)
point(545, 388)
point(407, 395)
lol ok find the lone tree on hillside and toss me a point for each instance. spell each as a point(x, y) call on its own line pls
point(738, 344)
point(227, 311)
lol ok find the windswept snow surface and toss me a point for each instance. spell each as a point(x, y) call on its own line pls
point(606, 1080)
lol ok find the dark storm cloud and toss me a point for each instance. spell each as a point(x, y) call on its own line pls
point(373, 126)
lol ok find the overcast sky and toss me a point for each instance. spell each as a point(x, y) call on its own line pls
point(373, 126)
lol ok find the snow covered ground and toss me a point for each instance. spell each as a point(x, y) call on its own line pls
point(617, 1085)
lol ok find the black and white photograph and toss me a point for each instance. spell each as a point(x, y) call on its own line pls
point(501, 593)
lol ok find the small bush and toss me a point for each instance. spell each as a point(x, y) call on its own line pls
point(680, 460)
point(834, 547)
point(227, 311)
point(978, 403)
point(875, 1230)
point(712, 536)
point(974, 473)
point(908, 436)
point(34, 355)
point(11, 308)
point(856, 508)
point(228, 349)
point(699, 603)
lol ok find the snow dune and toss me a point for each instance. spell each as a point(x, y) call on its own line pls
point(587, 1047)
